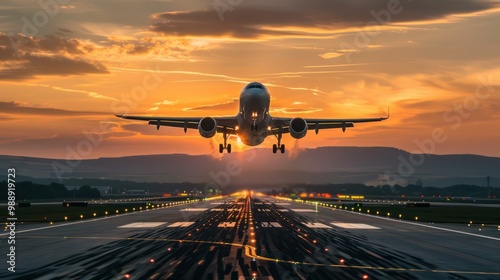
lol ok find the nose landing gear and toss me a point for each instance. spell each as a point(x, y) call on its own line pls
point(254, 119)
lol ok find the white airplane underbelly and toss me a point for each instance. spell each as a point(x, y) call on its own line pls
point(253, 138)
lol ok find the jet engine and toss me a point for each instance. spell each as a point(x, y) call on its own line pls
point(207, 127)
point(298, 128)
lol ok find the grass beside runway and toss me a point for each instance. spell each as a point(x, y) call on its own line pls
point(436, 214)
point(58, 213)
point(439, 214)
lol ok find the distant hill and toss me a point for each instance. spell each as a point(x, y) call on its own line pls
point(369, 165)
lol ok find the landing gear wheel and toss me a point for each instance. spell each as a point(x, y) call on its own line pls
point(225, 146)
point(279, 146)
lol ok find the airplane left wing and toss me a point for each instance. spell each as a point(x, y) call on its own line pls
point(223, 123)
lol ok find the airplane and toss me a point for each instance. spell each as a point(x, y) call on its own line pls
point(253, 123)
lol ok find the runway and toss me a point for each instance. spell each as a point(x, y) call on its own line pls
point(251, 238)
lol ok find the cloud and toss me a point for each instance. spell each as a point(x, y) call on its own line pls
point(3, 118)
point(284, 110)
point(23, 57)
point(19, 109)
point(179, 72)
point(91, 94)
point(29, 66)
point(229, 105)
point(299, 18)
point(166, 49)
point(447, 112)
point(145, 129)
point(50, 44)
point(166, 102)
point(329, 55)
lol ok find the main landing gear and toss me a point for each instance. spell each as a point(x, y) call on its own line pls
point(279, 146)
point(222, 148)
point(226, 146)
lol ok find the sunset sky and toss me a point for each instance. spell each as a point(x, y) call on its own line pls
point(66, 66)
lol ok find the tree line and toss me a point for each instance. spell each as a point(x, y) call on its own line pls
point(29, 190)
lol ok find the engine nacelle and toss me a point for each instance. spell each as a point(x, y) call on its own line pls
point(298, 128)
point(207, 127)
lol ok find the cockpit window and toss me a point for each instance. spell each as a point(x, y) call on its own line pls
point(255, 86)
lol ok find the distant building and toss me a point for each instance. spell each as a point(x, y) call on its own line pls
point(135, 192)
point(102, 189)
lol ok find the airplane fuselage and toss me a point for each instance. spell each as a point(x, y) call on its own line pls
point(253, 117)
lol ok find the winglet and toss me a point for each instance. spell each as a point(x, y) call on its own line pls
point(388, 113)
point(118, 115)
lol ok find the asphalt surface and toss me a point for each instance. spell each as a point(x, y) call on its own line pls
point(250, 238)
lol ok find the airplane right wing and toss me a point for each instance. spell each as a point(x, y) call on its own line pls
point(284, 124)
